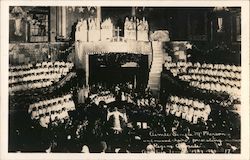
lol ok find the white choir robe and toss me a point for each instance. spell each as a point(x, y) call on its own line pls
point(123, 98)
point(72, 105)
point(49, 109)
point(31, 108)
point(53, 117)
point(44, 110)
point(174, 109)
point(207, 109)
point(195, 119)
point(197, 114)
point(43, 122)
point(40, 111)
point(204, 115)
point(54, 108)
point(65, 114)
point(47, 120)
point(189, 116)
point(34, 115)
point(184, 113)
point(60, 116)
point(59, 107)
point(168, 107)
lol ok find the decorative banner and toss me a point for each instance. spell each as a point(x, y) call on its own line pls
point(221, 46)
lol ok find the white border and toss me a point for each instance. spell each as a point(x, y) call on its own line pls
point(4, 80)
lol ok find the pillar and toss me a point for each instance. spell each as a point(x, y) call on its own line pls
point(53, 23)
point(133, 13)
point(98, 13)
point(87, 69)
point(58, 21)
point(64, 22)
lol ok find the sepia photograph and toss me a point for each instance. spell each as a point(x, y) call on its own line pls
point(116, 79)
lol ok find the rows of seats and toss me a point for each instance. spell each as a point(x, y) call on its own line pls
point(177, 68)
point(49, 110)
point(22, 86)
point(212, 77)
point(220, 70)
point(188, 109)
point(227, 67)
point(234, 91)
point(37, 76)
point(215, 72)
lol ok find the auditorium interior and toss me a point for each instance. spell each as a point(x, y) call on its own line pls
point(91, 79)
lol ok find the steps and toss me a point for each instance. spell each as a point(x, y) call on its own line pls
point(156, 67)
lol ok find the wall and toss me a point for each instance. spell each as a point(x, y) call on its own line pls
point(23, 53)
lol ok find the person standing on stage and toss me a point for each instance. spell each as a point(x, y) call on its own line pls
point(116, 124)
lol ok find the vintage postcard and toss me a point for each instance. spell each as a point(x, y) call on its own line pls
point(124, 80)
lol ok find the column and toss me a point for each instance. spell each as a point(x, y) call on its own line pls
point(87, 70)
point(58, 21)
point(238, 27)
point(98, 13)
point(63, 28)
point(53, 23)
point(133, 13)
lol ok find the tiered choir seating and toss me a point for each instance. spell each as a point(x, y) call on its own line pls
point(50, 110)
point(211, 77)
point(40, 75)
point(188, 109)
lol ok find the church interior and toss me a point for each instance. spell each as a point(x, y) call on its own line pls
point(91, 79)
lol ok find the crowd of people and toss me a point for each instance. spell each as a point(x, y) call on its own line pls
point(50, 110)
point(188, 109)
point(122, 118)
point(40, 75)
point(212, 77)
point(94, 127)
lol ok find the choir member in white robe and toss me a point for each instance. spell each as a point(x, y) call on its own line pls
point(168, 107)
point(184, 112)
point(43, 121)
point(53, 116)
point(34, 114)
point(196, 115)
point(47, 118)
point(189, 116)
point(173, 109)
point(178, 111)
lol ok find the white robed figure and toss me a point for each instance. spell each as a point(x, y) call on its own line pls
point(18, 13)
point(116, 119)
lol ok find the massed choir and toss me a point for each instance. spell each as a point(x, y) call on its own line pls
point(188, 109)
point(51, 110)
point(25, 77)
